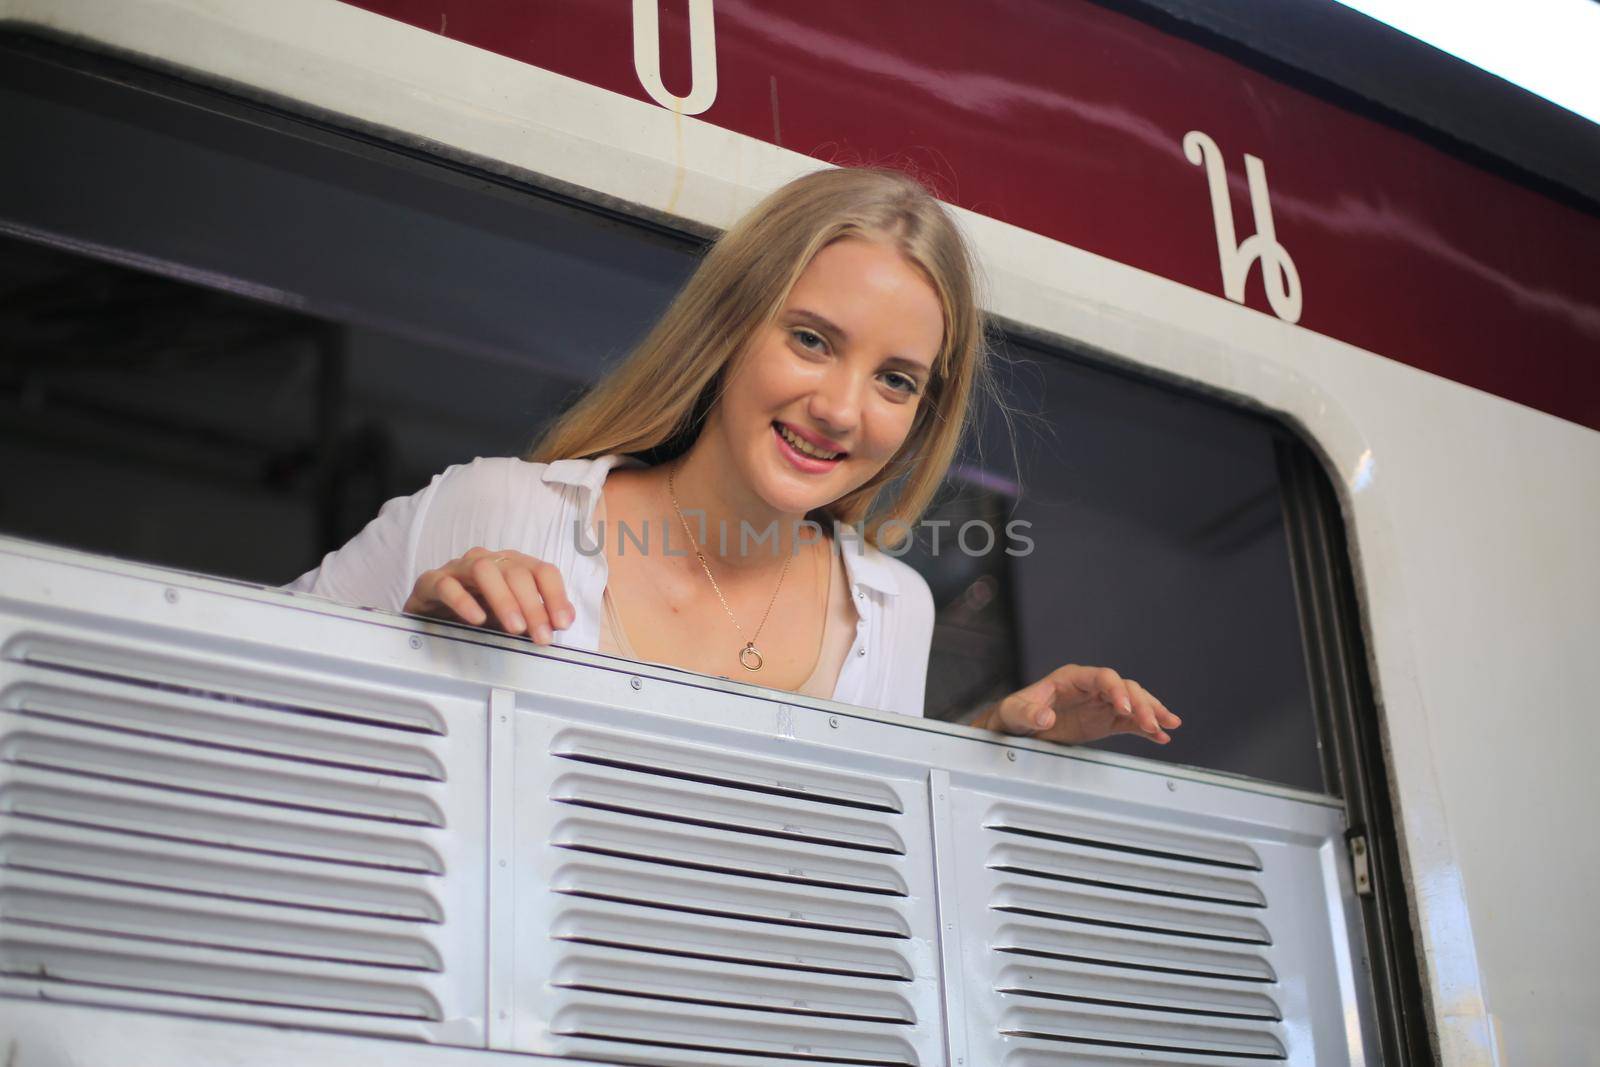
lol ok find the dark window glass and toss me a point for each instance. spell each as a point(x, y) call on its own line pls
point(1159, 549)
point(228, 338)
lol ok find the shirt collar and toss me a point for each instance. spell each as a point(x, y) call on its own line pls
point(867, 566)
point(864, 564)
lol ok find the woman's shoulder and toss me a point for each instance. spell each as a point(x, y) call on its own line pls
point(529, 481)
point(498, 502)
point(490, 479)
point(501, 499)
point(512, 500)
point(494, 467)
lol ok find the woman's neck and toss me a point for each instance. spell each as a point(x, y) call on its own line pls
point(731, 524)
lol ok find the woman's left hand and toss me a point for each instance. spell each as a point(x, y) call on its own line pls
point(1075, 704)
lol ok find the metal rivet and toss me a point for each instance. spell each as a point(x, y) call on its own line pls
point(416, 642)
point(502, 718)
point(861, 596)
point(636, 683)
point(1172, 787)
point(1011, 754)
point(502, 863)
point(833, 721)
point(861, 652)
point(172, 596)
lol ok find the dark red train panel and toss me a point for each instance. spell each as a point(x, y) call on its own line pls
point(1069, 120)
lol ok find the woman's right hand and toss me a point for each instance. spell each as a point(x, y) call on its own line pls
point(524, 594)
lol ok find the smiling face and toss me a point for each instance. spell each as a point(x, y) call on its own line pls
point(827, 392)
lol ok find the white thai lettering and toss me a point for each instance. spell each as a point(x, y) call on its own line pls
point(1278, 271)
point(702, 56)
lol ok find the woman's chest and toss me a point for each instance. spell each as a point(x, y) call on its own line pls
point(674, 613)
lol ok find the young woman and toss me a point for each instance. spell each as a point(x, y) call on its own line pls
point(719, 502)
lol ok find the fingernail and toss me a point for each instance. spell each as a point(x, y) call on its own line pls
point(1042, 719)
point(564, 618)
point(1127, 707)
point(542, 635)
point(518, 623)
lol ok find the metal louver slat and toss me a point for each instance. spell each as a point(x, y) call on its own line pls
point(71, 958)
point(203, 872)
point(744, 772)
point(619, 1030)
point(712, 938)
point(185, 768)
point(637, 838)
point(222, 823)
point(1134, 835)
point(803, 908)
point(625, 972)
point(208, 720)
point(1069, 1055)
point(1117, 987)
point(257, 684)
point(1156, 953)
point(243, 926)
point(718, 807)
point(1091, 1026)
point(687, 904)
point(1068, 863)
point(1024, 895)
point(218, 835)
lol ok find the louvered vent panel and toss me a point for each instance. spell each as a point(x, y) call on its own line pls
point(1115, 941)
point(218, 837)
point(701, 905)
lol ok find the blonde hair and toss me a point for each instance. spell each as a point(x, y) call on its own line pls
point(653, 405)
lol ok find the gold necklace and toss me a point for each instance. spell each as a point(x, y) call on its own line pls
point(749, 656)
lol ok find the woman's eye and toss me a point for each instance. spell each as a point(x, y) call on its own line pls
point(809, 339)
point(903, 383)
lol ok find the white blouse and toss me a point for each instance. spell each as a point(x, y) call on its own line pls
point(538, 509)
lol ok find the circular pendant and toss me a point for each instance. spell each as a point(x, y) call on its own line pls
point(749, 658)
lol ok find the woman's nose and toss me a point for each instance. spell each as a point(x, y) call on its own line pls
point(836, 403)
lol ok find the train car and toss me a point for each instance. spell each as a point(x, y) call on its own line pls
point(1296, 326)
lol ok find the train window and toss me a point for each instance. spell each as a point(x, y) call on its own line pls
point(229, 335)
point(1158, 547)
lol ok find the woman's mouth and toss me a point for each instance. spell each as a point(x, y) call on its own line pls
point(802, 453)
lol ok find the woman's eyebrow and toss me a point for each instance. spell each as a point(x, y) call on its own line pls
point(905, 363)
point(822, 323)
